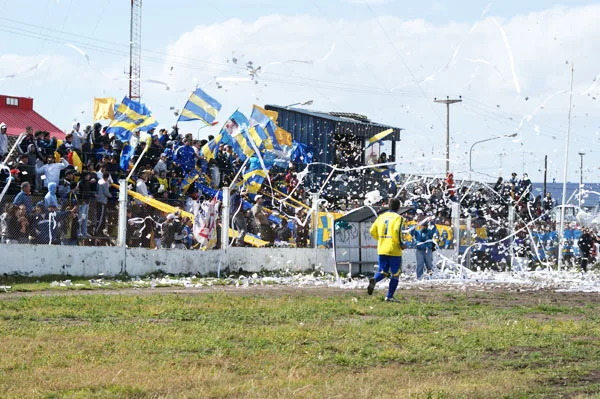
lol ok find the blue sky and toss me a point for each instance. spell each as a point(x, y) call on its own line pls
point(542, 35)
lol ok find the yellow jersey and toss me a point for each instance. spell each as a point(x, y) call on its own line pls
point(387, 230)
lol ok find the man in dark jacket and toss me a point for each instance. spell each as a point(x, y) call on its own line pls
point(586, 244)
point(86, 193)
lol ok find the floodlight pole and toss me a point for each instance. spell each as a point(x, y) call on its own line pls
point(564, 190)
point(581, 154)
point(483, 141)
point(448, 101)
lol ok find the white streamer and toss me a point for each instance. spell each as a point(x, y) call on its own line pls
point(33, 68)
point(510, 57)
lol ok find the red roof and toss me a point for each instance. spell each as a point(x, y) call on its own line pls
point(17, 113)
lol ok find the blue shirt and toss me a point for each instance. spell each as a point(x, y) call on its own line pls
point(24, 199)
point(424, 236)
point(185, 157)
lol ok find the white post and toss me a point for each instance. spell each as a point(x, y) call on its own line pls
point(314, 198)
point(564, 190)
point(469, 233)
point(224, 229)
point(225, 219)
point(511, 231)
point(122, 233)
point(456, 227)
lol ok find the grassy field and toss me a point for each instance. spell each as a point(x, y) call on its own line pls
point(276, 342)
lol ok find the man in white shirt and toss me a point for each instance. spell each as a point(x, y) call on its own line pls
point(3, 141)
point(134, 140)
point(77, 136)
point(51, 170)
point(140, 186)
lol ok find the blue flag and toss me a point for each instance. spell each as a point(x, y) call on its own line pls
point(126, 155)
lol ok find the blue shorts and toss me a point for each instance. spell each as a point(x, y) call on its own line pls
point(390, 265)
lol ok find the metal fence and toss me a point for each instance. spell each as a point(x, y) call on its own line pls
point(487, 228)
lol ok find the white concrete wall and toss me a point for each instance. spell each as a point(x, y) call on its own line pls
point(39, 260)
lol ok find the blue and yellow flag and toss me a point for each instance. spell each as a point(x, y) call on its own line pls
point(126, 155)
point(262, 121)
point(379, 136)
point(200, 106)
point(189, 179)
point(209, 150)
point(235, 133)
point(253, 180)
point(129, 116)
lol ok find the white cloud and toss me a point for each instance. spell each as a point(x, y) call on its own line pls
point(365, 66)
point(359, 74)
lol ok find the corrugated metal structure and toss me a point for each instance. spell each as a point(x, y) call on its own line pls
point(319, 128)
point(18, 113)
point(338, 139)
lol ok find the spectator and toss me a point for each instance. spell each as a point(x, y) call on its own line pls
point(48, 145)
point(450, 190)
point(261, 220)
point(87, 139)
point(50, 199)
point(238, 216)
point(301, 228)
point(3, 141)
point(586, 243)
point(86, 193)
point(77, 137)
point(161, 165)
point(102, 196)
point(185, 156)
point(425, 245)
point(23, 198)
point(525, 188)
point(51, 171)
point(26, 140)
point(66, 146)
point(291, 181)
point(70, 226)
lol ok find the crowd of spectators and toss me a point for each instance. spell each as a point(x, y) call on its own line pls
point(56, 197)
point(64, 191)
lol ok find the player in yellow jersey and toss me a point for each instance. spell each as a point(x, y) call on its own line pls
point(387, 230)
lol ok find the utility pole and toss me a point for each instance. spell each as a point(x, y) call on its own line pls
point(448, 101)
point(135, 50)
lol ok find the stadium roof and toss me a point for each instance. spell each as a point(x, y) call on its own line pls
point(344, 121)
point(17, 113)
point(367, 214)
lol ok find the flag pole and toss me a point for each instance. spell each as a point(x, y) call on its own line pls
point(13, 148)
point(238, 173)
point(139, 159)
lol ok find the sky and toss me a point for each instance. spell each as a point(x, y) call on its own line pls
point(509, 61)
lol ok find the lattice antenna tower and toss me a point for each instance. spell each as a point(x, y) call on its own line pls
point(135, 50)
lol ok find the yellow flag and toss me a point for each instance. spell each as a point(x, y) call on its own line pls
point(273, 115)
point(283, 137)
point(104, 108)
point(77, 164)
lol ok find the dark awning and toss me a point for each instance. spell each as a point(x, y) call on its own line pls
point(367, 214)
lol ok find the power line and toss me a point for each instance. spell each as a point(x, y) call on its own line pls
point(414, 78)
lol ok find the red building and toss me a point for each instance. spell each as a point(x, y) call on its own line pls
point(17, 113)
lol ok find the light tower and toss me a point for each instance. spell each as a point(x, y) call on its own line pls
point(135, 49)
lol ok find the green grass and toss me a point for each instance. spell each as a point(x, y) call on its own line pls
point(275, 343)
